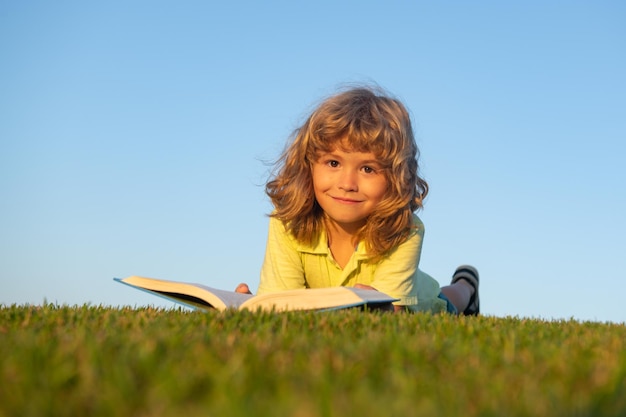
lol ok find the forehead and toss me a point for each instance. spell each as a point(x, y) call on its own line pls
point(350, 155)
point(346, 144)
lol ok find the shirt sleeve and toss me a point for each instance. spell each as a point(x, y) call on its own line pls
point(399, 276)
point(282, 266)
point(398, 273)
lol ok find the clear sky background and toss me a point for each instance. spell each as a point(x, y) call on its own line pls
point(133, 136)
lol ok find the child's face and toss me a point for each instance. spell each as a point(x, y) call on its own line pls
point(348, 186)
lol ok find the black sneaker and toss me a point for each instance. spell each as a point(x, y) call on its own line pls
point(469, 274)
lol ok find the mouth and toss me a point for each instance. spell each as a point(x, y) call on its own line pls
point(344, 200)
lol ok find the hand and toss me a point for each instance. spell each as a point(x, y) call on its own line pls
point(365, 287)
point(383, 307)
point(243, 289)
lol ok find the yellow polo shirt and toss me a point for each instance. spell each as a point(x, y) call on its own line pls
point(289, 265)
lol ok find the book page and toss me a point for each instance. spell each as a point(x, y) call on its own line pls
point(185, 291)
point(317, 299)
point(231, 299)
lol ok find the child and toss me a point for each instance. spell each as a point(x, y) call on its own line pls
point(344, 192)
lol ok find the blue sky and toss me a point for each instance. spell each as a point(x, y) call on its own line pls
point(133, 137)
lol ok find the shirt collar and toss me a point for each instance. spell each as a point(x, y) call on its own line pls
point(321, 247)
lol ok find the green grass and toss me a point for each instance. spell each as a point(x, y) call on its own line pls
point(96, 361)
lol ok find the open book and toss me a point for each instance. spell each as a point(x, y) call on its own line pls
point(199, 296)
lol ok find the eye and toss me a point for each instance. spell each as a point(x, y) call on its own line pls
point(332, 163)
point(369, 170)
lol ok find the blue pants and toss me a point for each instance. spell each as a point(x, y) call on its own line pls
point(450, 307)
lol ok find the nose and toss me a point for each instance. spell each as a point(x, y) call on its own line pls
point(348, 180)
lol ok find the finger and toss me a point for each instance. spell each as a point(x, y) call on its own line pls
point(243, 289)
point(364, 287)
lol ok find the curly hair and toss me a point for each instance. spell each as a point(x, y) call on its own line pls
point(362, 119)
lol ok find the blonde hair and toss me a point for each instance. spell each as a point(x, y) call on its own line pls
point(370, 121)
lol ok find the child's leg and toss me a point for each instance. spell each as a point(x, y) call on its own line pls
point(463, 291)
point(459, 294)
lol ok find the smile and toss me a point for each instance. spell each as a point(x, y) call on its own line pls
point(346, 200)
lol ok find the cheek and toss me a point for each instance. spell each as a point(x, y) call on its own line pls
point(316, 181)
point(383, 190)
point(318, 187)
point(320, 180)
